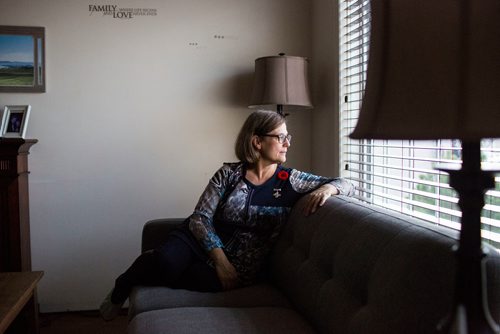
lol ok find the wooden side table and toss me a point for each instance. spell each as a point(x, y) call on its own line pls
point(15, 250)
point(18, 306)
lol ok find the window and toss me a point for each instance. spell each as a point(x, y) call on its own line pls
point(400, 174)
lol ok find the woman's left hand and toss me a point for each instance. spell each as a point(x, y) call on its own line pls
point(318, 197)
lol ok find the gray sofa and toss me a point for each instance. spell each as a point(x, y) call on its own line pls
point(348, 268)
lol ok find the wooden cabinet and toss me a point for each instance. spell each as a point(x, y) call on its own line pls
point(18, 305)
point(15, 251)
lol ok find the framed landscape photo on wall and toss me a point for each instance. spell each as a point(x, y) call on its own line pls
point(15, 121)
point(22, 59)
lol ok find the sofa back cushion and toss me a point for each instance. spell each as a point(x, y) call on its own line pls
point(355, 268)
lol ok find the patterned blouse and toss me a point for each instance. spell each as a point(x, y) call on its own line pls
point(245, 219)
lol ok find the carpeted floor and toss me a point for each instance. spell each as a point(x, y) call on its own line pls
point(85, 322)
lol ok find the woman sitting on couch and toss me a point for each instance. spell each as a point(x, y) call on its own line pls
point(225, 242)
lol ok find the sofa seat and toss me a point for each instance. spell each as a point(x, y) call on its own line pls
point(221, 320)
point(144, 299)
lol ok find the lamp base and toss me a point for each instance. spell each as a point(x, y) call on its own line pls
point(470, 313)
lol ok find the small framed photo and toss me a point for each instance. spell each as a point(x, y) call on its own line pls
point(15, 121)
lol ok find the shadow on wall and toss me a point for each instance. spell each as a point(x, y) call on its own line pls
point(235, 91)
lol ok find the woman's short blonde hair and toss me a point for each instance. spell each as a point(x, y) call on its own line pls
point(259, 123)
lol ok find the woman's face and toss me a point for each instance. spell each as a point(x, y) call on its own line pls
point(271, 150)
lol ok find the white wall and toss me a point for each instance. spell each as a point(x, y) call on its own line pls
point(134, 122)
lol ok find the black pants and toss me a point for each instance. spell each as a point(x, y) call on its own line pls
point(174, 264)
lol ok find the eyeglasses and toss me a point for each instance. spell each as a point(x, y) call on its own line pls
point(281, 137)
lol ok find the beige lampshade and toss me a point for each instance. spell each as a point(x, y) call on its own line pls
point(280, 80)
point(433, 70)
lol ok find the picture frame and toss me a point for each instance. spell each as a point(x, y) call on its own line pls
point(22, 59)
point(15, 121)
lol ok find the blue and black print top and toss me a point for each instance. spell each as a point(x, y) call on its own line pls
point(245, 219)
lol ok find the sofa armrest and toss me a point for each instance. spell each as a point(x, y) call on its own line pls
point(155, 232)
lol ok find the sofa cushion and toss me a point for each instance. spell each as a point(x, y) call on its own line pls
point(355, 268)
point(220, 320)
point(143, 299)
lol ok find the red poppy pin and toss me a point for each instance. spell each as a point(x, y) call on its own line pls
point(283, 175)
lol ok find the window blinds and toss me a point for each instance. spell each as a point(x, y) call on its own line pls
point(400, 174)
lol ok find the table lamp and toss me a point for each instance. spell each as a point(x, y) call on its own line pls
point(434, 73)
point(280, 81)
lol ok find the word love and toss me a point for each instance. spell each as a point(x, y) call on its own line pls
point(122, 15)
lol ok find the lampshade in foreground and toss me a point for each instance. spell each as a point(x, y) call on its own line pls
point(433, 70)
point(434, 73)
point(280, 81)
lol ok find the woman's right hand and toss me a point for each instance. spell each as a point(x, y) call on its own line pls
point(225, 270)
